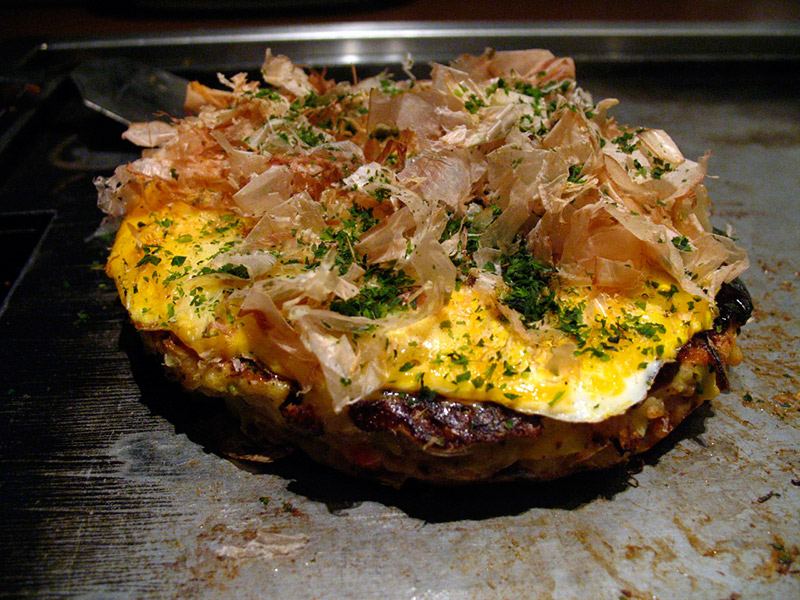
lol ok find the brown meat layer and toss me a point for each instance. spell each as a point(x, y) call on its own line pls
point(446, 424)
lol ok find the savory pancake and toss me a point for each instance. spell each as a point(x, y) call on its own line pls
point(475, 276)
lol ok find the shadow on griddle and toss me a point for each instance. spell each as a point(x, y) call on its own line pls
point(438, 504)
point(206, 422)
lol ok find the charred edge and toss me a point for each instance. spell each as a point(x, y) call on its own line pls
point(626, 440)
point(735, 309)
point(735, 306)
point(715, 361)
point(300, 416)
point(247, 366)
point(665, 375)
point(622, 451)
point(701, 349)
point(167, 343)
point(442, 423)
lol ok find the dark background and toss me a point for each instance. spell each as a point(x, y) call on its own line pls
point(43, 18)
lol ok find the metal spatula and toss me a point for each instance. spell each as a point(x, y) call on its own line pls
point(130, 91)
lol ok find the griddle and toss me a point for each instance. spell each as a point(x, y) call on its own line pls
point(116, 484)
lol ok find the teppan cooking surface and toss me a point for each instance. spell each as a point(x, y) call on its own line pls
point(116, 484)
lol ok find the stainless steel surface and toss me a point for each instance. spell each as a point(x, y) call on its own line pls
point(129, 91)
point(389, 43)
point(112, 486)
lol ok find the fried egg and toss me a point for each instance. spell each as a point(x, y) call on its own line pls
point(163, 260)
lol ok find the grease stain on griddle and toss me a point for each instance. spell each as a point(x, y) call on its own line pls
point(787, 138)
point(782, 558)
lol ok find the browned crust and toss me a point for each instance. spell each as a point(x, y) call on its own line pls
point(394, 436)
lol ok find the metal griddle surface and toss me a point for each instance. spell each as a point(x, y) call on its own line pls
point(112, 484)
